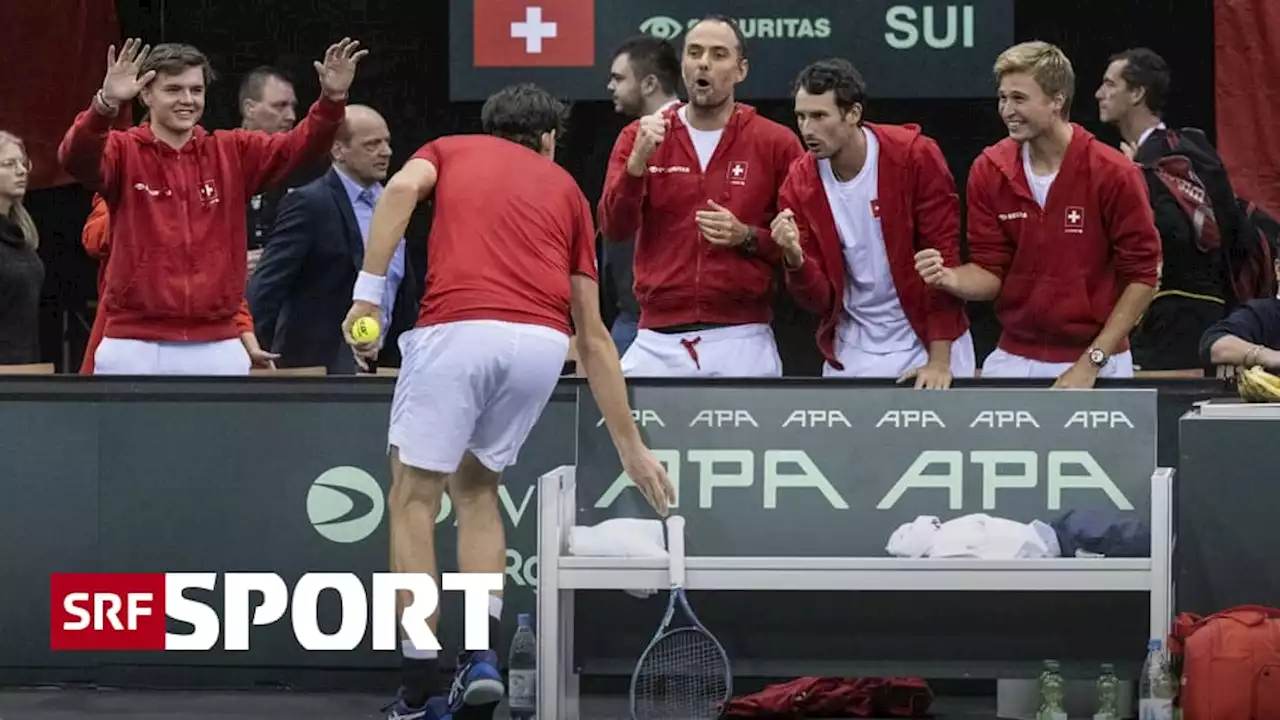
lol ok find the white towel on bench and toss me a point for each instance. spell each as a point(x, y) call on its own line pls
point(621, 538)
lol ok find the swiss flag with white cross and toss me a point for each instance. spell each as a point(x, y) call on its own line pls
point(535, 33)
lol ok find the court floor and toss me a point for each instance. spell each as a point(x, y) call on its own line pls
point(121, 705)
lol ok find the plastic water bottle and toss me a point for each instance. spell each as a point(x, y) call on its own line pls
point(523, 671)
point(1156, 687)
point(1051, 693)
point(1108, 694)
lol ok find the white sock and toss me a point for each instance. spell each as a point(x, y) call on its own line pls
point(406, 647)
point(495, 607)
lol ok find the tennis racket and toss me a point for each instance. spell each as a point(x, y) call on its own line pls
point(684, 673)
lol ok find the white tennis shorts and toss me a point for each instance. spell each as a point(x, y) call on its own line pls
point(478, 385)
point(894, 364)
point(730, 351)
point(119, 356)
point(1001, 364)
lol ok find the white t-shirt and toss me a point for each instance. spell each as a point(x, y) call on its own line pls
point(1040, 184)
point(704, 141)
point(876, 321)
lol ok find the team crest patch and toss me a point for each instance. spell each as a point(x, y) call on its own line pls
point(1074, 220)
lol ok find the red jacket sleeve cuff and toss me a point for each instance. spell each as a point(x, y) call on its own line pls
point(244, 321)
point(629, 186)
point(332, 111)
point(947, 320)
point(808, 286)
point(100, 123)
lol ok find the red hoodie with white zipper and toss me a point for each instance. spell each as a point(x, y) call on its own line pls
point(178, 237)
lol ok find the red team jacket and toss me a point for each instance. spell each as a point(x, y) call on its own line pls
point(1064, 267)
point(681, 278)
point(919, 209)
point(178, 239)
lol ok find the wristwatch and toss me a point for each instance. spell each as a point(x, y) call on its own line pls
point(749, 242)
point(1098, 357)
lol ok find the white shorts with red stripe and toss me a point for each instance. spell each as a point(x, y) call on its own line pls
point(1000, 364)
point(859, 363)
point(120, 356)
point(477, 386)
point(733, 351)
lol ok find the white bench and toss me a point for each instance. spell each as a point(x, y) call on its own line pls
point(560, 575)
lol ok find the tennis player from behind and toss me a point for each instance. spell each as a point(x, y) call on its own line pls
point(511, 259)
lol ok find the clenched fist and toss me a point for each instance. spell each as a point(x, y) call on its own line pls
point(784, 230)
point(787, 236)
point(652, 131)
point(932, 269)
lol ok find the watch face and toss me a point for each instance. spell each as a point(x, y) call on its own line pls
point(1097, 357)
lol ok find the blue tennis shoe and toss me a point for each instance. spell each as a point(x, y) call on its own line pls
point(477, 683)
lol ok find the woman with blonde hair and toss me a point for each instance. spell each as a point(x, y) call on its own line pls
point(21, 271)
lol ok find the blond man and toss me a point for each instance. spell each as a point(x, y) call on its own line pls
point(1061, 234)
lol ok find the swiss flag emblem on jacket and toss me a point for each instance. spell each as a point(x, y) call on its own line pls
point(535, 33)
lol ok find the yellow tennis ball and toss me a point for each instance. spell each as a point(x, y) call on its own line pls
point(365, 330)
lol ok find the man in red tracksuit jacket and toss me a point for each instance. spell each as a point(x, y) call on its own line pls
point(175, 195)
point(1061, 234)
point(854, 212)
point(696, 185)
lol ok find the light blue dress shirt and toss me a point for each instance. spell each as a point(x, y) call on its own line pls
point(363, 200)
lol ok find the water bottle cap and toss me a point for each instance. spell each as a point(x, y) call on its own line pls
point(524, 620)
point(1051, 664)
point(1154, 644)
point(1108, 668)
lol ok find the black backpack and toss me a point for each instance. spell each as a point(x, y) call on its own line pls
point(1242, 235)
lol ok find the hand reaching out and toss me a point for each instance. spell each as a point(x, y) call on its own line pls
point(650, 477)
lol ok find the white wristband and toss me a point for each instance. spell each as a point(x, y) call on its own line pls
point(370, 288)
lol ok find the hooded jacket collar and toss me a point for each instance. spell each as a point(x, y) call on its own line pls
point(1007, 157)
point(143, 135)
point(742, 114)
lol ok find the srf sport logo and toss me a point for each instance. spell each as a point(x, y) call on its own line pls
point(115, 611)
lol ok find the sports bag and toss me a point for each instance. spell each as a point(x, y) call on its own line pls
point(1229, 663)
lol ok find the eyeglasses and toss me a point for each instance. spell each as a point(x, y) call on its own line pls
point(13, 164)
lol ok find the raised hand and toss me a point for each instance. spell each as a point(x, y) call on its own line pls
point(783, 229)
point(122, 82)
point(652, 131)
point(339, 68)
point(787, 236)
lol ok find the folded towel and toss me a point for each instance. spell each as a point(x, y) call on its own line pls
point(620, 537)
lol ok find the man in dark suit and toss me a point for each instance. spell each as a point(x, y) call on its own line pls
point(302, 288)
point(1193, 292)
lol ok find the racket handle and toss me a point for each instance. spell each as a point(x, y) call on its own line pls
point(675, 549)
